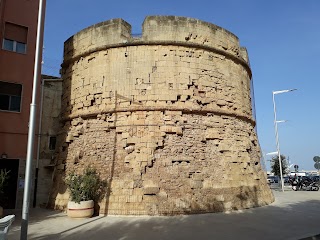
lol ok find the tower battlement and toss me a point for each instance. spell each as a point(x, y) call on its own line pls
point(155, 30)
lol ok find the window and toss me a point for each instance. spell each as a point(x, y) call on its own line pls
point(52, 142)
point(15, 38)
point(10, 96)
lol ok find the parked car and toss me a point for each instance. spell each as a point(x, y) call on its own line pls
point(272, 179)
point(286, 179)
point(315, 178)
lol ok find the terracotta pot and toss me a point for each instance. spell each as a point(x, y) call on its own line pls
point(84, 209)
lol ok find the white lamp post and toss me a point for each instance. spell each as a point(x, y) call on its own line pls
point(272, 153)
point(276, 131)
point(32, 124)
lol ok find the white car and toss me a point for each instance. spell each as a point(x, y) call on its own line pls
point(272, 179)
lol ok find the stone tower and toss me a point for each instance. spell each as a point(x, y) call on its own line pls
point(165, 117)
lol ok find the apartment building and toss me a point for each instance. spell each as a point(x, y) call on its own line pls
point(18, 30)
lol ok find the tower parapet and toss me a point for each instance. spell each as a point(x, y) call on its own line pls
point(155, 30)
point(100, 35)
point(190, 30)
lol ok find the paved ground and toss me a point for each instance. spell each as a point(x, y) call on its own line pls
point(294, 215)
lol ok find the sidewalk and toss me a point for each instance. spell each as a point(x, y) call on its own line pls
point(294, 215)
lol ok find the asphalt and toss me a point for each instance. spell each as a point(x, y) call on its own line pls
point(293, 215)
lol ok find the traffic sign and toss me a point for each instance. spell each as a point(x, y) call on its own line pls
point(316, 159)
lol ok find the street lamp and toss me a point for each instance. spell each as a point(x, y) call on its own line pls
point(271, 153)
point(281, 121)
point(32, 125)
point(276, 130)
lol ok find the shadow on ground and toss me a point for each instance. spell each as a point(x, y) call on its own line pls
point(287, 218)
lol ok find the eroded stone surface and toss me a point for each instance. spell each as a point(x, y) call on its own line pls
point(165, 118)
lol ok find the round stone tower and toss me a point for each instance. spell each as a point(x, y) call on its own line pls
point(166, 118)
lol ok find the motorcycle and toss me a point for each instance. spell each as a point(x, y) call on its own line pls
point(304, 184)
point(309, 186)
point(294, 184)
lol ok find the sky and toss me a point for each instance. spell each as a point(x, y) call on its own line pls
point(282, 39)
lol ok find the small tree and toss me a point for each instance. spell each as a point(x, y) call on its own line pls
point(275, 168)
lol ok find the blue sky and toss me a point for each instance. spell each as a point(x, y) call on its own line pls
point(282, 38)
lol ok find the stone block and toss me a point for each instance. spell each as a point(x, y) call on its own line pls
point(150, 190)
point(221, 102)
point(212, 133)
point(196, 184)
point(134, 198)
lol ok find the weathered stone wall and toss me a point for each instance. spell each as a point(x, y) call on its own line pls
point(50, 126)
point(165, 118)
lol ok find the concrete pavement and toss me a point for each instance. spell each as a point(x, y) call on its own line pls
point(293, 215)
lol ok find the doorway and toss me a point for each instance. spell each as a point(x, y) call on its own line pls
point(8, 198)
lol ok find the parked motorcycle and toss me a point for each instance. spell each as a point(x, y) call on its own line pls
point(309, 185)
point(305, 184)
point(294, 184)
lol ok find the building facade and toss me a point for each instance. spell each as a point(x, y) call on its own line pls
point(18, 30)
point(49, 127)
point(166, 118)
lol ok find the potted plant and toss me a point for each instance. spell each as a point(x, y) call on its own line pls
point(84, 190)
point(4, 176)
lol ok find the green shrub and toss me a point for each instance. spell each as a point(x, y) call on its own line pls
point(87, 186)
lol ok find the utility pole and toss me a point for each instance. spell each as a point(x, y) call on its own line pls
point(32, 125)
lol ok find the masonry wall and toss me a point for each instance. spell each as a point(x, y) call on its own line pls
point(165, 118)
point(50, 126)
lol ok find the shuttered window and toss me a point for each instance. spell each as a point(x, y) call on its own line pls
point(10, 96)
point(15, 38)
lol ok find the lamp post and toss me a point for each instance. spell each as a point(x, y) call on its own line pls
point(276, 131)
point(32, 123)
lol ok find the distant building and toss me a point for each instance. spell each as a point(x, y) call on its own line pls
point(298, 174)
point(305, 173)
point(18, 31)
